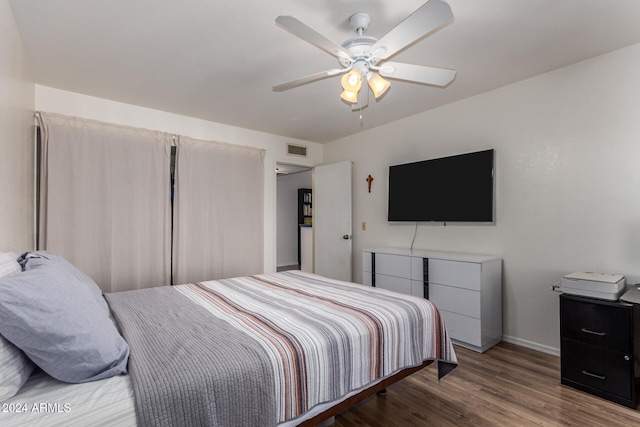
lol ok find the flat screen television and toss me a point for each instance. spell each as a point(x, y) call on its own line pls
point(449, 189)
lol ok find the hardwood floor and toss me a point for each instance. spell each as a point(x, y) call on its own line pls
point(508, 385)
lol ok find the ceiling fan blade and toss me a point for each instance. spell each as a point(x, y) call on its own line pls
point(363, 98)
point(417, 73)
point(307, 79)
point(310, 35)
point(427, 19)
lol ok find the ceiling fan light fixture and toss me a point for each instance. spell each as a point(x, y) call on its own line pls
point(349, 96)
point(378, 85)
point(352, 81)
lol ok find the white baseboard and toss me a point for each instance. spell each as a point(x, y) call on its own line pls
point(532, 345)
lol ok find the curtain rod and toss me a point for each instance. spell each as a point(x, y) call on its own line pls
point(36, 114)
point(174, 136)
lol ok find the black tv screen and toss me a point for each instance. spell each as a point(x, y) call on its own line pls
point(449, 189)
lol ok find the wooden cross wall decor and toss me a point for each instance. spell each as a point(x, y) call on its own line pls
point(369, 181)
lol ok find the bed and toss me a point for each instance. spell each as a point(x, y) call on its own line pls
point(289, 348)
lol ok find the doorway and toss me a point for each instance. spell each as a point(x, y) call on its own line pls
point(289, 179)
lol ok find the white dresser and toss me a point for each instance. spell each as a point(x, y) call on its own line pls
point(466, 288)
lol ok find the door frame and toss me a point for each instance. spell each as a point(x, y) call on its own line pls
point(271, 221)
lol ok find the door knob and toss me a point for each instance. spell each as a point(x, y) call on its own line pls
point(346, 237)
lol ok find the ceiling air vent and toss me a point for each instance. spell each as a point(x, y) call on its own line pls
point(297, 150)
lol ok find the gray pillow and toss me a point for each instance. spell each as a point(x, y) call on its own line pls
point(56, 320)
point(29, 260)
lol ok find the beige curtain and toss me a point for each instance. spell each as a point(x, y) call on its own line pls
point(218, 211)
point(105, 200)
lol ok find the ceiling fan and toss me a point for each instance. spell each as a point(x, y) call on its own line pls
point(364, 59)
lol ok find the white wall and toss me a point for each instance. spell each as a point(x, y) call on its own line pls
point(287, 212)
point(568, 182)
point(74, 104)
point(16, 139)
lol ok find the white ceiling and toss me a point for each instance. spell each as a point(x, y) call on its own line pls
point(217, 60)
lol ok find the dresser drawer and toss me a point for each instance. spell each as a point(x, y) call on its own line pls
point(366, 278)
point(366, 262)
point(603, 369)
point(393, 265)
point(419, 268)
point(417, 289)
point(463, 328)
point(596, 322)
point(396, 284)
point(466, 275)
point(455, 300)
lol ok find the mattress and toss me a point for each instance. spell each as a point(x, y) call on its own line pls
point(46, 402)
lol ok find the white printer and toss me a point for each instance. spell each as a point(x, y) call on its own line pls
point(595, 285)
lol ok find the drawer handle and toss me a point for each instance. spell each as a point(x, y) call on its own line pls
point(591, 374)
point(589, 331)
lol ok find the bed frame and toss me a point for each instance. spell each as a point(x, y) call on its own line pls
point(364, 394)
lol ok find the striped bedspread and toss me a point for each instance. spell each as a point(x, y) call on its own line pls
point(325, 337)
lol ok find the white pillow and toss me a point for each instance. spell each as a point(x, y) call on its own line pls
point(9, 264)
point(15, 368)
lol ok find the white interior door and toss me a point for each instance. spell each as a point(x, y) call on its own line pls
point(332, 220)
